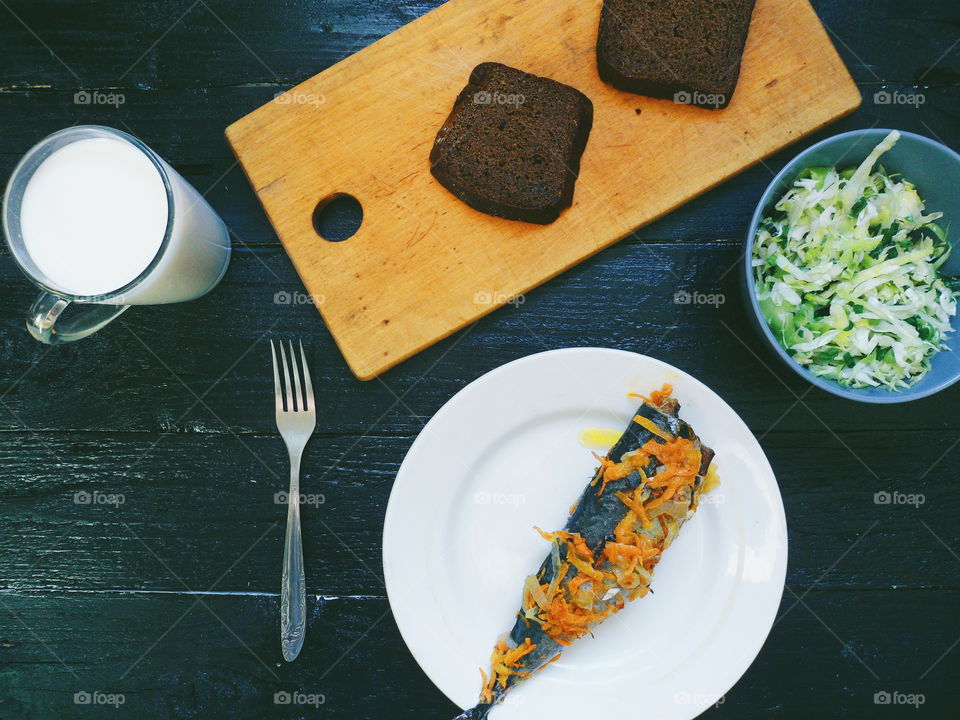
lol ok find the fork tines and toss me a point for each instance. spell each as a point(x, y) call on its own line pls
point(296, 400)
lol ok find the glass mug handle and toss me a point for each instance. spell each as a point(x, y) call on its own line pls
point(45, 325)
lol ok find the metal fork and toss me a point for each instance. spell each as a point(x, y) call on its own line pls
point(296, 422)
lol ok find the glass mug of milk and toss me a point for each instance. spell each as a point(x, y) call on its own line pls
point(94, 217)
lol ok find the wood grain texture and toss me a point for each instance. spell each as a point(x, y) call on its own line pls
point(217, 658)
point(165, 531)
point(423, 265)
point(73, 582)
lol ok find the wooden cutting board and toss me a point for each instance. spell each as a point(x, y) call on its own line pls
point(423, 264)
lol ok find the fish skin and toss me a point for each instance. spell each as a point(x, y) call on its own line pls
point(594, 519)
point(478, 712)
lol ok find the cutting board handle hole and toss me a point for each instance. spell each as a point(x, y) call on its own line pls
point(338, 217)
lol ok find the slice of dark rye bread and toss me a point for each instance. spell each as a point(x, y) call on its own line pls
point(688, 51)
point(511, 147)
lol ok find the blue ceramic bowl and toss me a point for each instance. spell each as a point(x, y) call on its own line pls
point(935, 170)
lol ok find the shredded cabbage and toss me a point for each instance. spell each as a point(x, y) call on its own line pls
point(847, 271)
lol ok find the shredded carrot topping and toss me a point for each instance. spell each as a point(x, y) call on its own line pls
point(623, 532)
point(566, 622)
point(636, 506)
point(681, 462)
point(578, 544)
point(504, 662)
point(574, 585)
point(652, 427)
point(487, 694)
point(587, 569)
point(611, 471)
point(657, 396)
point(614, 550)
point(574, 541)
point(673, 454)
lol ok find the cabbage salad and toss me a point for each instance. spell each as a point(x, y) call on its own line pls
point(847, 270)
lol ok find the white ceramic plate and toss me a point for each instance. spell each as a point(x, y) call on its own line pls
point(504, 455)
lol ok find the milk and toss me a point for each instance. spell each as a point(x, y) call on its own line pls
point(95, 215)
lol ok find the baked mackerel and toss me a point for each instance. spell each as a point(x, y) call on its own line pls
point(644, 490)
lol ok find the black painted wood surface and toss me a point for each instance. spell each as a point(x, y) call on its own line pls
point(170, 598)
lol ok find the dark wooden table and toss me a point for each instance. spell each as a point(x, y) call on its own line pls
point(169, 599)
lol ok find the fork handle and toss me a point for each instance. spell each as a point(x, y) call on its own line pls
point(293, 593)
